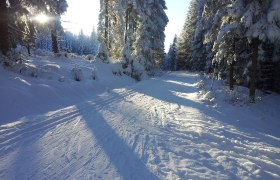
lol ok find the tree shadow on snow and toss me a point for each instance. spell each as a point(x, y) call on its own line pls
point(121, 155)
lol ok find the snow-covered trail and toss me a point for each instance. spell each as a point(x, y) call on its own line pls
point(156, 129)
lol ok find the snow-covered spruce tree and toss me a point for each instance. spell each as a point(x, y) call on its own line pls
point(225, 44)
point(171, 61)
point(56, 8)
point(43, 40)
point(67, 42)
point(149, 45)
point(20, 23)
point(80, 44)
point(16, 25)
point(261, 20)
point(111, 26)
point(166, 63)
point(106, 9)
point(117, 32)
point(159, 21)
point(134, 23)
point(198, 50)
point(184, 45)
point(213, 13)
point(94, 41)
point(182, 53)
point(103, 53)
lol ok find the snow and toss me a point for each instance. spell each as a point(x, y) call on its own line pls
point(53, 86)
point(113, 128)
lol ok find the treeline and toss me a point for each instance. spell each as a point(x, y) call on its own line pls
point(80, 44)
point(238, 41)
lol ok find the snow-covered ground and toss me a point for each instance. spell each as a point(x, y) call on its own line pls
point(167, 127)
point(54, 85)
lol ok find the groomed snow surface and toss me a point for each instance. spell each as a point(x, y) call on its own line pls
point(169, 127)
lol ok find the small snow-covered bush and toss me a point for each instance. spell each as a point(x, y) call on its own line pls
point(61, 79)
point(238, 96)
point(138, 71)
point(90, 57)
point(2, 59)
point(206, 96)
point(77, 74)
point(94, 74)
point(15, 62)
point(20, 50)
point(117, 69)
point(28, 70)
point(103, 53)
point(51, 67)
point(128, 70)
point(70, 55)
point(158, 72)
point(200, 84)
point(41, 52)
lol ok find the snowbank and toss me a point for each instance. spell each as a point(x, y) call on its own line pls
point(44, 82)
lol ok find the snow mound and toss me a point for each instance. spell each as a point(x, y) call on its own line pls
point(51, 67)
point(77, 74)
point(103, 53)
point(117, 68)
point(90, 57)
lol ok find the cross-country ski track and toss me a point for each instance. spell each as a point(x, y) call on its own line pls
point(154, 129)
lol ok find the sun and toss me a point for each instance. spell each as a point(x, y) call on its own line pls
point(42, 18)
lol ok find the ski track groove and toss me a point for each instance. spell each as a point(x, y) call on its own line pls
point(174, 141)
point(50, 123)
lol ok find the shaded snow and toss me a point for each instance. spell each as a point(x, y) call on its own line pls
point(54, 86)
point(160, 128)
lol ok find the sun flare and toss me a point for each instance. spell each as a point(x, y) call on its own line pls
point(42, 18)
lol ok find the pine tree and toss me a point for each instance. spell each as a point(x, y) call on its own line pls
point(171, 57)
point(260, 19)
point(57, 7)
point(184, 45)
point(134, 23)
point(198, 50)
point(93, 41)
point(16, 20)
point(104, 21)
point(148, 47)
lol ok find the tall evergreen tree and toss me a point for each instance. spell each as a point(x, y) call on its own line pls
point(184, 45)
point(16, 19)
point(93, 41)
point(171, 57)
point(229, 34)
point(134, 23)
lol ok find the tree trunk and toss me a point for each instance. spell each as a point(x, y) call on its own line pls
point(255, 49)
point(54, 41)
point(106, 34)
point(4, 32)
point(127, 18)
point(231, 66)
point(231, 70)
point(126, 25)
point(28, 49)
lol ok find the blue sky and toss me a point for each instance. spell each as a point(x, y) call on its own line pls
point(83, 14)
point(176, 12)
